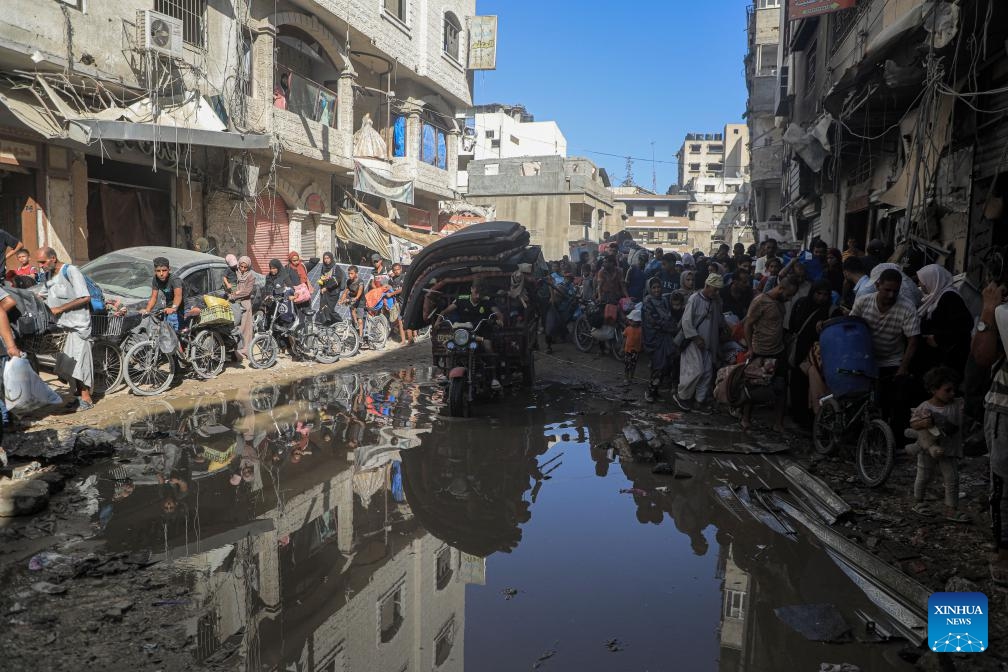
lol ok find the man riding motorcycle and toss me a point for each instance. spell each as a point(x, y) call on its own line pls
point(473, 309)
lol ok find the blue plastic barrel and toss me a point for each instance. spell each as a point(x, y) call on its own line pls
point(847, 356)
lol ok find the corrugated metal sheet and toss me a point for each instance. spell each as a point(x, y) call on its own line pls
point(308, 245)
point(268, 233)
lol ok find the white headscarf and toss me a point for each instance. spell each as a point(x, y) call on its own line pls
point(936, 280)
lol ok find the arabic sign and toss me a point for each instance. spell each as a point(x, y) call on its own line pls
point(803, 9)
point(483, 43)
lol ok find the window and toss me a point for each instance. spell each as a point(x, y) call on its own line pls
point(396, 8)
point(452, 28)
point(767, 4)
point(245, 67)
point(495, 144)
point(390, 614)
point(708, 188)
point(715, 149)
point(694, 167)
point(442, 568)
point(192, 14)
point(695, 149)
point(715, 167)
point(810, 68)
point(650, 211)
point(76, 4)
point(514, 140)
point(489, 134)
point(766, 60)
point(444, 642)
point(735, 131)
point(692, 215)
point(734, 604)
point(434, 146)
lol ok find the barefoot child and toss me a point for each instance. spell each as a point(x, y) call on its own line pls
point(632, 338)
point(938, 426)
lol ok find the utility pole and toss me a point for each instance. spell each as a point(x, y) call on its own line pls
point(654, 176)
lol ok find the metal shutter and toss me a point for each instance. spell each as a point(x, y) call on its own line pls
point(308, 245)
point(268, 233)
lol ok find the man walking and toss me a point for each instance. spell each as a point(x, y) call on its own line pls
point(69, 300)
point(764, 332)
point(895, 329)
point(701, 327)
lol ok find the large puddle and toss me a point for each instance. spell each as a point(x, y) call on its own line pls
point(342, 524)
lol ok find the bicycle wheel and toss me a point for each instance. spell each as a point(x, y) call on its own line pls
point(207, 354)
point(263, 351)
point(349, 338)
point(108, 368)
point(330, 346)
point(617, 344)
point(582, 335)
point(147, 370)
point(876, 453)
point(827, 428)
point(377, 331)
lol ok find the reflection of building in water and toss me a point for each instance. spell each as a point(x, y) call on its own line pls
point(735, 588)
point(337, 585)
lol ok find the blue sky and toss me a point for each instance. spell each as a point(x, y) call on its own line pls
point(617, 75)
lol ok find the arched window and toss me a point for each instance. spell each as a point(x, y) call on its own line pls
point(452, 29)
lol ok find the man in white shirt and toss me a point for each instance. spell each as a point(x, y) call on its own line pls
point(69, 300)
point(895, 329)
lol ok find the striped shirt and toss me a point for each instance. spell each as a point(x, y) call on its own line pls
point(890, 330)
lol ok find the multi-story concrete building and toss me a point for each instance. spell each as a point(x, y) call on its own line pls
point(896, 131)
point(717, 212)
point(762, 64)
point(131, 122)
point(724, 154)
point(657, 220)
point(558, 199)
point(498, 131)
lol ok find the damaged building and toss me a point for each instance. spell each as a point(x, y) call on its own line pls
point(242, 125)
point(894, 116)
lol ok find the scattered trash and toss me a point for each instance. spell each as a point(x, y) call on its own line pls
point(23, 498)
point(614, 645)
point(47, 560)
point(25, 470)
point(670, 417)
point(508, 593)
point(816, 622)
point(47, 588)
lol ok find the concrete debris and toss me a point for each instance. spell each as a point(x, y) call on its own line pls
point(47, 588)
point(79, 444)
point(23, 498)
point(957, 584)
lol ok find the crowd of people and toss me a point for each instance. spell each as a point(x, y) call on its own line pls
point(760, 311)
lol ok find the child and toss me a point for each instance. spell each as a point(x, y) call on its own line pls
point(168, 287)
point(24, 267)
point(937, 425)
point(352, 297)
point(632, 338)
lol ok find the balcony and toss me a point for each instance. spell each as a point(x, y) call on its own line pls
point(305, 118)
point(302, 96)
point(762, 95)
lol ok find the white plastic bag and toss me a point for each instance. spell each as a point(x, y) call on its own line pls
point(24, 391)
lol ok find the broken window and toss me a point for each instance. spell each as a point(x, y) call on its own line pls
point(444, 642)
point(810, 68)
point(192, 13)
point(766, 60)
point(708, 188)
point(391, 614)
point(452, 28)
point(734, 604)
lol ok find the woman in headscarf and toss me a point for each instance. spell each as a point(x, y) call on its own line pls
point(231, 275)
point(807, 314)
point(686, 284)
point(295, 266)
point(330, 286)
point(242, 294)
point(661, 324)
point(687, 261)
point(277, 279)
point(834, 270)
point(946, 323)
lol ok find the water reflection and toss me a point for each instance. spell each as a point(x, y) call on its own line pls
point(335, 524)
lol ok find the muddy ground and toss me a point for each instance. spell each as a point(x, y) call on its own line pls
point(126, 610)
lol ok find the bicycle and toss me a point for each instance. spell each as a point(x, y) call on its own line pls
point(152, 361)
point(591, 319)
point(876, 447)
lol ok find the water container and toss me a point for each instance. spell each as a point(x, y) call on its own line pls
point(847, 356)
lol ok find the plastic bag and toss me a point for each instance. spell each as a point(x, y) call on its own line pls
point(24, 391)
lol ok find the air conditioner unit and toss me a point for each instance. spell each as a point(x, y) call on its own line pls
point(159, 32)
point(242, 178)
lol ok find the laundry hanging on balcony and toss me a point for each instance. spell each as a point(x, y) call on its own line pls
point(371, 182)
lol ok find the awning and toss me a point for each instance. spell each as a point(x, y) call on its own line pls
point(393, 229)
point(95, 130)
point(372, 182)
point(30, 112)
point(352, 226)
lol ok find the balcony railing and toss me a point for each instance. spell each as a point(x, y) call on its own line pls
point(294, 92)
